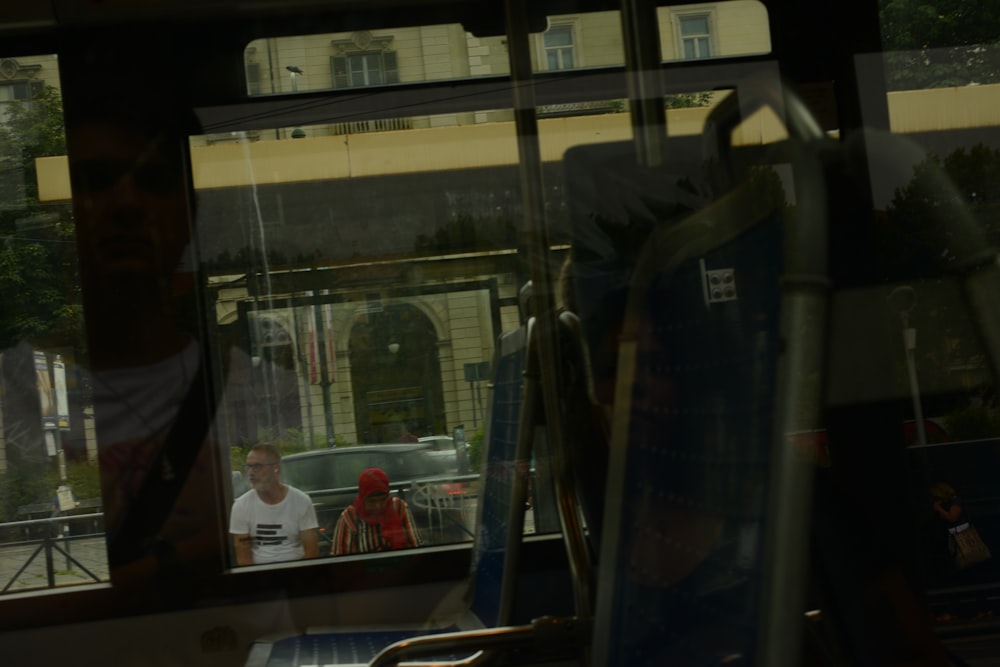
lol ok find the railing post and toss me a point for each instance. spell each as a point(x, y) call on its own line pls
point(49, 566)
point(64, 529)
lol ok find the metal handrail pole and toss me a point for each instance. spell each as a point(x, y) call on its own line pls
point(536, 243)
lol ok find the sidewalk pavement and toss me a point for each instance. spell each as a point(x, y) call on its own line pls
point(82, 553)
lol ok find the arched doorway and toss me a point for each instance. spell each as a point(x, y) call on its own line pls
point(396, 375)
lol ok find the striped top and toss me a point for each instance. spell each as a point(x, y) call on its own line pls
point(354, 535)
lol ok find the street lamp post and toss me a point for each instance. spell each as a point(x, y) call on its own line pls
point(903, 300)
point(295, 71)
point(324, 375)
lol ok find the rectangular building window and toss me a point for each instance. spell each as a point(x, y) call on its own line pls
point(371, 68)
point(695, 37)
point(559, 47)
point(253, 79)
point(12, 92)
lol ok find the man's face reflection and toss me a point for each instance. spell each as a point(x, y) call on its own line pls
point(132, 213)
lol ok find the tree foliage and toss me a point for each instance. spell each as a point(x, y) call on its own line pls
point(924, 246)
point(39, 289)
point(937, 43)
point(920, 213)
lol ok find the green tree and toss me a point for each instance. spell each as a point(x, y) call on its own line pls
point(937, 43)
point(922, 244)
point(39, 294)
point(920, 214)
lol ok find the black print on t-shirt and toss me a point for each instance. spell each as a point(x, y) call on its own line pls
point(267, 534)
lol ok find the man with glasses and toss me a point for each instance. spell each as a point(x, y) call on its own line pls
point(272, 522)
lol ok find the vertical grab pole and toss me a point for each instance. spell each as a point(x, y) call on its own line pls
point(805, 293)
point(641, 37)
point(536, 244)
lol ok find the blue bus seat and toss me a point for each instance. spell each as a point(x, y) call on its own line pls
point(683, 298)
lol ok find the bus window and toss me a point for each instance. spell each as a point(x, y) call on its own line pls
point(45, 404)
point(363, 59)
point(376, 264)
point(930, 158)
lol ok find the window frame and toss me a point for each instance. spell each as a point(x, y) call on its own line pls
point(573, 48)
point(708, 37)
point(342, 75)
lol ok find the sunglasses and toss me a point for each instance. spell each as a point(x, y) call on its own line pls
point(96, 176)
point(257, 467)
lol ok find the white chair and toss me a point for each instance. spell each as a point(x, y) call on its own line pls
point(430, 497)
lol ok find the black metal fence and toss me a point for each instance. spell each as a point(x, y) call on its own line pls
point(52, 539)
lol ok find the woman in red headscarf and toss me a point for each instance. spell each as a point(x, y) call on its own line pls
point(377, 521)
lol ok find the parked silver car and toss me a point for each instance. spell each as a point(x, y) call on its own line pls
point(453, 458)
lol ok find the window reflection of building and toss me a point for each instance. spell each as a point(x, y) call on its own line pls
point(363, 60)
point(18, 83)
point(559, 48)
point(253, 78)
point(396, 373)
point(695, 36)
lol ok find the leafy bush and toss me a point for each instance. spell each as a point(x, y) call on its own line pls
point(476, 449)
point(83, 478)
point(19, 486)
point(973, 423)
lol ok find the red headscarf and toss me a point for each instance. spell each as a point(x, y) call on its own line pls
point(374, 480)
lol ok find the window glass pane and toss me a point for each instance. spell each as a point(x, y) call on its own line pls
point(703, 48)
point(48, 469)
point(734, 28)
point(423, 53)
point(376, 353)
point(373, 68)
point(559, 36)
point(13, 91)
point(447, 51)
point(931, 148)
point(694, 25)
point(388, 284)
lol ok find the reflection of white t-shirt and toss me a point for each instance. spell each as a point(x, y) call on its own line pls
point(274, 529)
point(137, 404)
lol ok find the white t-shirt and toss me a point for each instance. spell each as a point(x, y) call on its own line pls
point(273, 529)
point(138, 403)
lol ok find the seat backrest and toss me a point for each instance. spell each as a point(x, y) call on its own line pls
point(681, 303)
point(497, 474)
point(585, 429)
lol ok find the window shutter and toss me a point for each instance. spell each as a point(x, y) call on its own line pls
point(389, 67)
point(253, 78)
point(338, 65)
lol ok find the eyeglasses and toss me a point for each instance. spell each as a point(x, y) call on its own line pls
point(102, 175)
point(257, 467)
